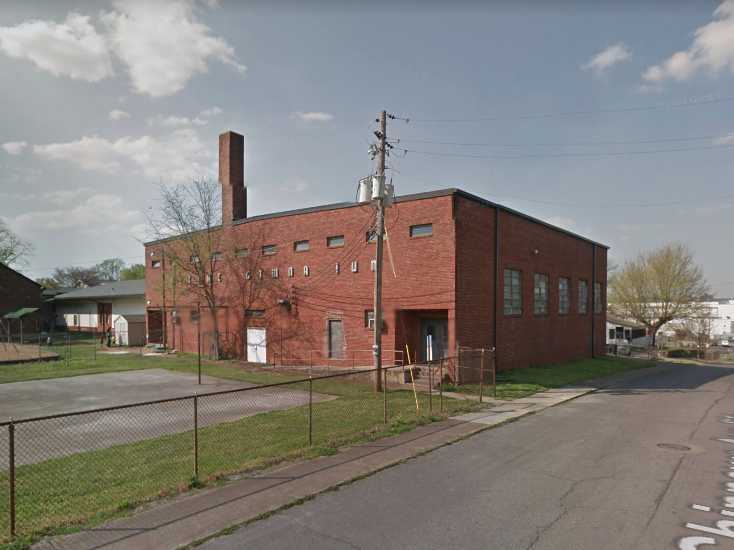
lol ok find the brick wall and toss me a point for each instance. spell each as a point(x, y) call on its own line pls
point(450, 273)
point(17, 291)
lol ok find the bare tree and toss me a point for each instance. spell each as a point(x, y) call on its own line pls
point(13, 249)
point(658, 287)
point(188, 224)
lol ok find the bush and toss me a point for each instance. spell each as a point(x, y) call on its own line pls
point(683, 353)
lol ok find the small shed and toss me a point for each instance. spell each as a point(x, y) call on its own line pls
point(129, 329)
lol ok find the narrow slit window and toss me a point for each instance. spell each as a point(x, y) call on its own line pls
point(421, 230)
point(335, 241)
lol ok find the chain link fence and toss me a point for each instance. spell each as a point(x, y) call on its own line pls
point(78, 468)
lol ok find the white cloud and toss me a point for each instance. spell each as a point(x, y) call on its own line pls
point(72, 48)
point(725, 140)
point(712, 49)
point(607, 58)
point(163, 45)
point(210, 112)
point(174, 121)
point(97, 213)
point(178, 156)
point(314, 116)
point(14, 147)
point(65, 196)
point(295, 185)
point(117, 114)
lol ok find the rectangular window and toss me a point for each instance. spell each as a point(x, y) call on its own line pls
point(242, 252)
point(369, 319)
point(335, 241)
point(155, 264)
point(422, 230)
point(274, 273)
point(371, 236)
point(540, 294)
point(254, 313)
point(301, 246)
point(597, 298)
point(216, 256)
point(269, 249)
point(513, 292)
point(195, 259)
point(583, 297)
point(564, 295)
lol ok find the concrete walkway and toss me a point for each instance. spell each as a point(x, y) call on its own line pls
point(196, 516)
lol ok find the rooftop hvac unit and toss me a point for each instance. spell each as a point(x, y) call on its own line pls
point(365, 190)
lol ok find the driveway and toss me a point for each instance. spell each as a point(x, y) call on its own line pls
point(55, 437)
point(642, 464)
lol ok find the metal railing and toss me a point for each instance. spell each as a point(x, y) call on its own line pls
point(71, 468)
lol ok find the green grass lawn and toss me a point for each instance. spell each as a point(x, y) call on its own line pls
point(87, 488)
point(517, 383)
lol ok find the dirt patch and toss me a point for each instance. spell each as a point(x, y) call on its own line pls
point(20, 353)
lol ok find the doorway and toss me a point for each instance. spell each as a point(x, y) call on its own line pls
point(336, 339)
point(434, 339)
point(257, 345)
point(155, 326)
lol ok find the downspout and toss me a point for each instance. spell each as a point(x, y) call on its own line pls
point(593, 300)
point(495, 340)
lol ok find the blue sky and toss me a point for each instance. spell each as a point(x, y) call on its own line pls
point(105, 101)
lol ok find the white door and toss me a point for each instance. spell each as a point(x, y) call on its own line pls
point(256, 345)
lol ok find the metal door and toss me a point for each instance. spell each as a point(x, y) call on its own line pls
point(336, 339)
point(257, 345)
point(434, 336)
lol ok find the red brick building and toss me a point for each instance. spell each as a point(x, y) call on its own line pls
point(464, 270)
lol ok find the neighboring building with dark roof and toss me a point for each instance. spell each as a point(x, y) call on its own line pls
point(118, 307)
point(460, 271)
point(18, 292)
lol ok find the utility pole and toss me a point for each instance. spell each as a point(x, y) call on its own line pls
point(379, 235)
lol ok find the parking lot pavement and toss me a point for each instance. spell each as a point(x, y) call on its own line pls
point(55, 437)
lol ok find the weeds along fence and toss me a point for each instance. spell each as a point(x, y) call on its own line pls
point(83, 467)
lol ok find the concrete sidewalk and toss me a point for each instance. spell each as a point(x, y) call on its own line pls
point(196, 516)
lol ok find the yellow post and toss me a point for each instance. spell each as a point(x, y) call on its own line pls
point(412, 380)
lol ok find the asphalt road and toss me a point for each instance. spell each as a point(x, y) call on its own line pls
point(588, 474)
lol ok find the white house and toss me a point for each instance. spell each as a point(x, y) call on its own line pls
point(118, 307)
point(720, 311)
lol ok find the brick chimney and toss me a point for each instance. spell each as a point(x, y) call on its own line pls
point(232, 177)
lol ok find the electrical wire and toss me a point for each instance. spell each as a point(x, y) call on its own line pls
point(590, 112)
point(569, 155)
point(558, 144)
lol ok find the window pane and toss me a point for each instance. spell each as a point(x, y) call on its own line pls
point(564, 296)
point(583, 296)
point(269, 249)
point(422, 230)
point(335, 241)
point(301, 246)
point(540, 292)
point(512, 292)
point(241, 252)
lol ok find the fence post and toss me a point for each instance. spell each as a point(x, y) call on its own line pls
point(440, 385)
point(196, 436)
point(494, 373)
point(430, 389)
point(198, 348)
point(310, 410)
point(94, 345)
point(481, 376)
point(39, 344)
point(384, 392)
point(11, 477)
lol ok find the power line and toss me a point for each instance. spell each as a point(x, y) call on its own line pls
point(636, 109)
point(572, 144)
point(568, 155)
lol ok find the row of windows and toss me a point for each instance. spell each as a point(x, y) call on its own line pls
point(541, 294)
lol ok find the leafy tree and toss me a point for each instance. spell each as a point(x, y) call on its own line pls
point(132, 272)
point(47, 282)
point(13, 249)
point(76, 277)
point(659, 286)
point(109, 270)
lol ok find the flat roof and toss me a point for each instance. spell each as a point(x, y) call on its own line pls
point(404, 198)
point(107, 290)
